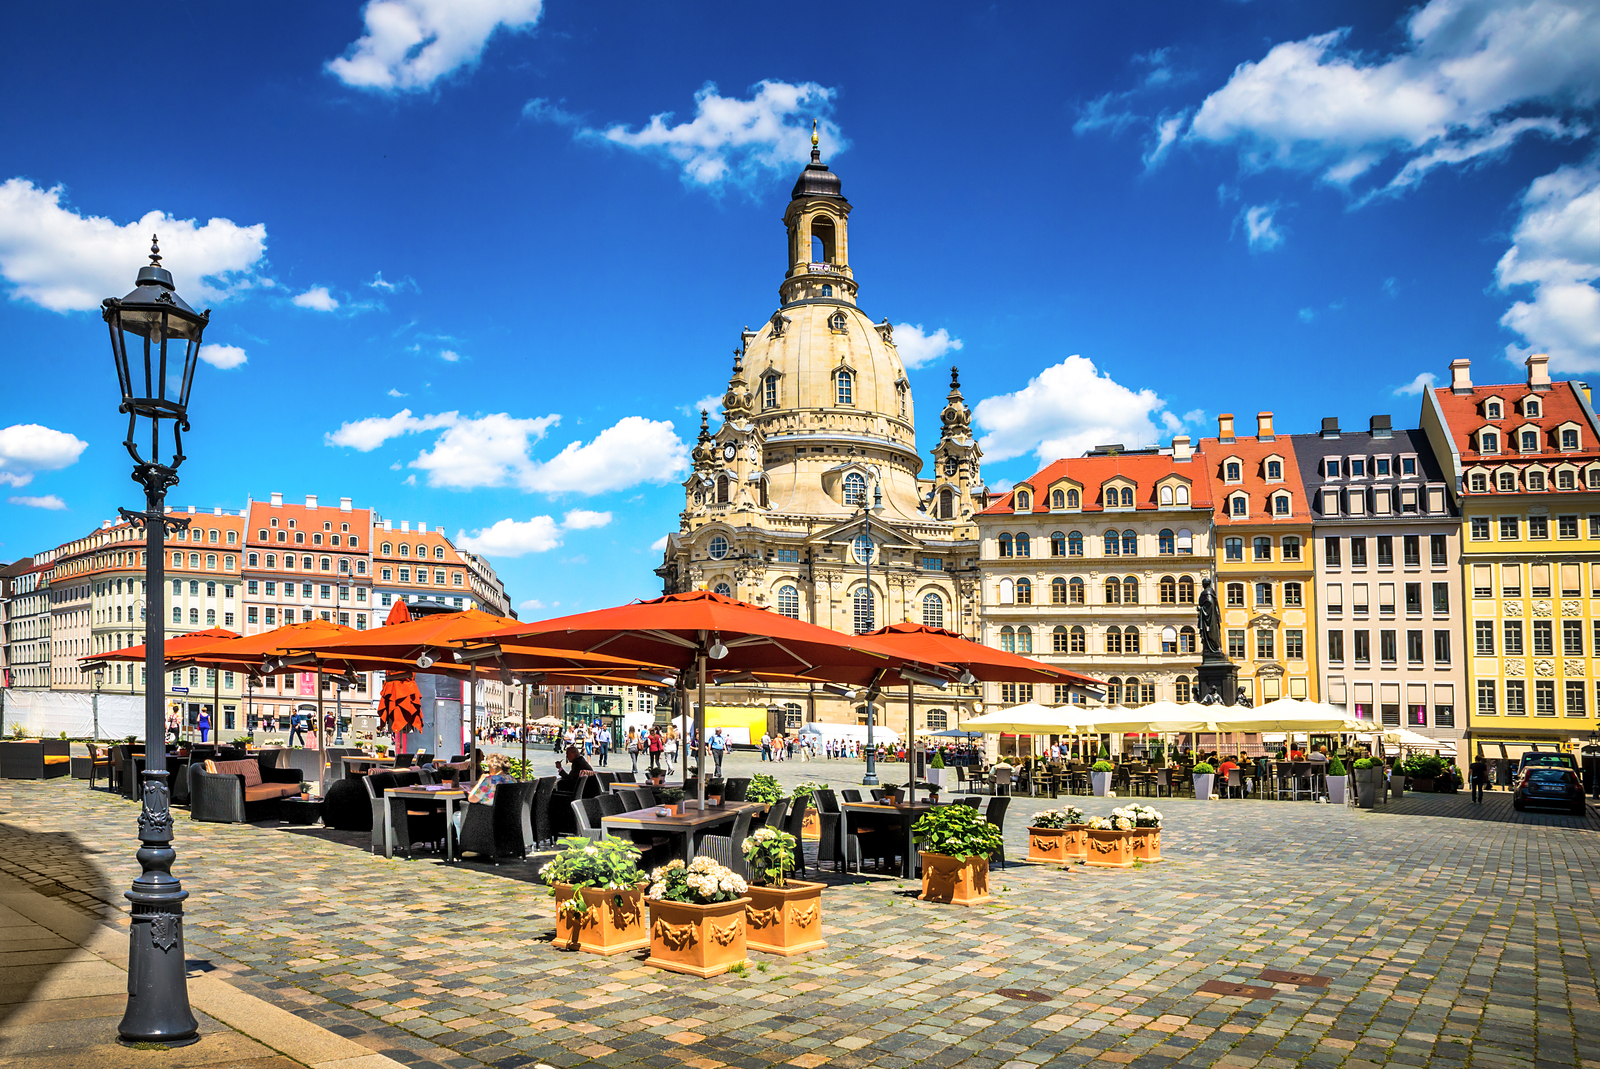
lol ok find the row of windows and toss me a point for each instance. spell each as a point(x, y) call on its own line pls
point(1529, 439)
point(1380, 500)
point(1233, 470)
point(199, 534)
point(387, 575)
point(862, 606)
point(307, 563)
point(1115, 640)
point(1235, 595)
point(1506, 480)
point(1260, 548)
point(1569, 574)
point(1113, 543)
point(1279, 504)
point(1388, 647)
point(1510, 528)
point(194, 617)
point(1362, 467)
point(316, 539)
point(194, 589)
point(211, 561)
point(1111, 497)
point(1360, 598)
point(1294, 644)
point(1544, 697)
point(405, 550)
point(1542, 633)
point(1410, 551)
point(1170, 590)
point(306, 591)
point(270, 614)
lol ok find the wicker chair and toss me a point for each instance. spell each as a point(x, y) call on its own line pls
point(733, 790)
point(835, 844)
point(502, 829)
point(996, 815)
point(794, 824)
point(542, 832)
point(586, 814)
point(728, 850)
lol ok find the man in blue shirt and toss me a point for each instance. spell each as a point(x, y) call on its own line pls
point(718, 744)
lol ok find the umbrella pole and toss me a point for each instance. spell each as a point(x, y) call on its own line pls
point(216, 705)
point(911, 734)
point(322, 757)
point(472, 725)
point(700, 735)
point(525, 699)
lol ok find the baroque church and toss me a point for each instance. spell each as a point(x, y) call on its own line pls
point(811, 499)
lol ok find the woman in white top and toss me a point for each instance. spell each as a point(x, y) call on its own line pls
point(672, 747)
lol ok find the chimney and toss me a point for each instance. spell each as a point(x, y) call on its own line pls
point(405, 525)
point(1380, 428)
point(1330, 426)
point(277, 500)
point(217, 511)
point(1460, 379)
point(1225, 427)
point(344, 504)
point(388, 525)
point(311, 501)
point(105, 525)
point(1539, 372)
point(1264, 426)
point(1182, 448)
point(191, 510)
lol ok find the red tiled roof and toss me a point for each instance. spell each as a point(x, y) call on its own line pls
point(309, 520)
point(1464, 417)
point(1253, 453)
point(1093, 472)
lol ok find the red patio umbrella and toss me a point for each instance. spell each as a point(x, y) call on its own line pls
point(176, 650)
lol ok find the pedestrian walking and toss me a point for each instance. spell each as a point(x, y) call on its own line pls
point(1478, 772)
point(671, 747)
point(602, 745)
point(633, 747)
point(297, 729)
point(717, 743)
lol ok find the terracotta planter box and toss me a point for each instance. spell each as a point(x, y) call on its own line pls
point(952, 880)
point(1110, 849)
point(1145, 844)
point(812, 827)
point(1078, 842)
point(1049, 845)
point(698, 940)
point(785, 920)
point(613, 923)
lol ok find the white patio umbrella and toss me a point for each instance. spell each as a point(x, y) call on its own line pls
point(1031, 719)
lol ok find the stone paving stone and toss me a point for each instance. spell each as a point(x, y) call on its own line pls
point(1453, 935)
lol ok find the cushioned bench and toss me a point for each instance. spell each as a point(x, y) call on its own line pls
point(228, 791)
point(35, 759)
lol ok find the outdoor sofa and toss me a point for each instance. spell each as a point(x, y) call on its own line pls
point(35, 759)
point(229, 794)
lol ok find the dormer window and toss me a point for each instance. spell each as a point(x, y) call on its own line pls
point(1239, 505)
point(1488, 442)
point(1569, 438)
point(1274, 471)
point(1480, 484)
point(1058, 499)
point(1233, 471)
point(1072, 499)
point(844, 386)
point(1535, 479)
point(1380, 466)
point(1492, 410)
point(1530, 408)
point(1358, 468)
point(1508, 482)
point(1330, 468)
point(769, 392)
point(1530, 441)
point(1280, 505)
point(1024, 501)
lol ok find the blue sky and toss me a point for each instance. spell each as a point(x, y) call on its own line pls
point(474, 262)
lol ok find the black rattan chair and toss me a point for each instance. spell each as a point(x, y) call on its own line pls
point(502, 829)
point(996, 815)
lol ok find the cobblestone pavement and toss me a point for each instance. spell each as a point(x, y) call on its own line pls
point(1448, 935)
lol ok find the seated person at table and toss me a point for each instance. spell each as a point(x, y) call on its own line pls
point(568, 783)
point(482, 792)
point(1228, 762)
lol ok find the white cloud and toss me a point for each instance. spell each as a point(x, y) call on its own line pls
point(711, 404)
point(67, 262)
point(583, 519)
point(410, 44)
point(1556, 250)
point(1260, 228)
point(917, 348)
point(368, 434)
point(449, 356)
point(1307, 315)
point(1067, 409)
point(48, 501)
point(1194, 416)
point(728, 139)
point(659, 544)
point(317, 298)
point(225, 357)
point(380, 283)
point(531, 605)
point(632, 451)
point(487, 451)
point(395, 393)
point(1447, 98)
point(27, 448)
point(1414, 388)
point(1106, 112)
point(1167, 129)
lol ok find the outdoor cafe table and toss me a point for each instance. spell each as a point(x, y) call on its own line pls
point(683, 824)
point(448, 795)
point(355, 764)
point(908, 814)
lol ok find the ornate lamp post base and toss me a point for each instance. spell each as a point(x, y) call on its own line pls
point(158, 993)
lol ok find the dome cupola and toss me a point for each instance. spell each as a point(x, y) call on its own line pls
point(816, 180)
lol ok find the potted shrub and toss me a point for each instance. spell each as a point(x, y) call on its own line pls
point(1425, 772)
point(937, 772)
point(783, 916)
point(1204, 773)
point(1051, 834)
point(656, 776)
point(763, 789)
point(1337, 775)
point(599, 894)
point(696, 918)
point(1100, 777)
point(1369, 782)
point(671, 797)
point(1110, 838)
point(1146, 840)
point(812, 828)
point(1397, 783)
point(956, 843)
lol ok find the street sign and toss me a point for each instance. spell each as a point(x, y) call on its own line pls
point(180, 690)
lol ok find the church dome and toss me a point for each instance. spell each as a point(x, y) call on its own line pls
point(816, 180)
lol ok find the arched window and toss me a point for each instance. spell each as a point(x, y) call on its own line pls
point(1127, 497)
point(1530, 441)
point(1130, 591)
point(1274, 470)
point(717, 547)
point(861, 548)
point(1166, 544)
point(1239, 504)
point(211, 590)
point(361, 567)
point(1058, 640)
point(1291, 548)
point(1008, 639)
point(1075, 540)
point(1113, 691)
point(1024, 592)
point(1564, 480)
point(1058, 544)
point(1183, 494)
point(438, 553)
point(194, 616)
point(1488, 442)
point(1058, 591)
point(769, 392)
point(1480, 484)
point(1024, 501)
point(724, 589)
point(1130, 640)
point(1024, 546)
point(254, 559)
point(1280, 505)
point(1003, 545)
point(1077, 641)
point(405, 550)
point(1569, 438)
point(855, 488)
point(789, 601)
point(1293, 595)
point(836, 323)
point(387, 550)
point(1007, 592)
point(1530, 408)
point(827, 291)
point(1185, 590)
point(1130, 544)
point(844, 385)
point(272, 560)
point(864, 610)
point(932, 610)
point(1186, 639)
point(327, 564)
point(1166, 496)
point(1024, 640)
point(1058, 499)
point(722, 489)
point(1168, 590)
point(1113, 643)
point(1130, 691)
point(1233, 472)
point(1076, 592)
point(1492, 410)
point(1113, 591)
point(344, 565)
point(1508, 480)
point(1535, 479)
point(947, 504)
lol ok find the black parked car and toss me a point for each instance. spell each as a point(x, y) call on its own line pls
point(1549, 785)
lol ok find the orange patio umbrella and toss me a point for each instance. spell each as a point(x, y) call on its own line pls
point(176, 650)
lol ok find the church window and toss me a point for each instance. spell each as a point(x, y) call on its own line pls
point(717, 547)
point(947, 504)
point(836, 322)
point(1058, 544)
point(724, 589)
point(722, 489)
point(863, 610)
point(932, 610)
point(1024, 592)
point(1072, 499)
point(1024, 502)
point(1075, 544)
point(769, 392)
point(855, 489)
point(1127, 497)
point(1058, 499)
point(789, 601)
point(1024, 546)
point(761, 493)
point(1003, 544)
point(844, 384)
point(827, 290)
point(1130, 544)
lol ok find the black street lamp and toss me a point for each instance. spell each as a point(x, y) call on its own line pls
point(168, 330)
point(863, 541)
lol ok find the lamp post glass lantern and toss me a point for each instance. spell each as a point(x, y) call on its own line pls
point(160, 326)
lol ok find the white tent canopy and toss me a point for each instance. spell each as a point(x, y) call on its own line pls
point(1031, 719)
point(854, 733)
point(1285, 714)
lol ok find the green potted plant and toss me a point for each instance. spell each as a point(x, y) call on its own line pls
point(599, 892)
point(783, 916)
point(763, 788)
point(697, 918)
point(1204, 774)
point(1337, 779)
point(1051, 834)
point(671, 797)
point(655, 775)
point(812, 826)
point(1424, 772)
point(956, 843)
point(1110, 840)
point(936, 769)
point(1370, 786)
point(1100, 777)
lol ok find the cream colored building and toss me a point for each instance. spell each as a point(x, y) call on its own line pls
point(818, 440)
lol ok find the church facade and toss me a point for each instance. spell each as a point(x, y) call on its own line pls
point(811, 499)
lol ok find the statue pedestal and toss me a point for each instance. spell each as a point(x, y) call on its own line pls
point(1217, 676)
